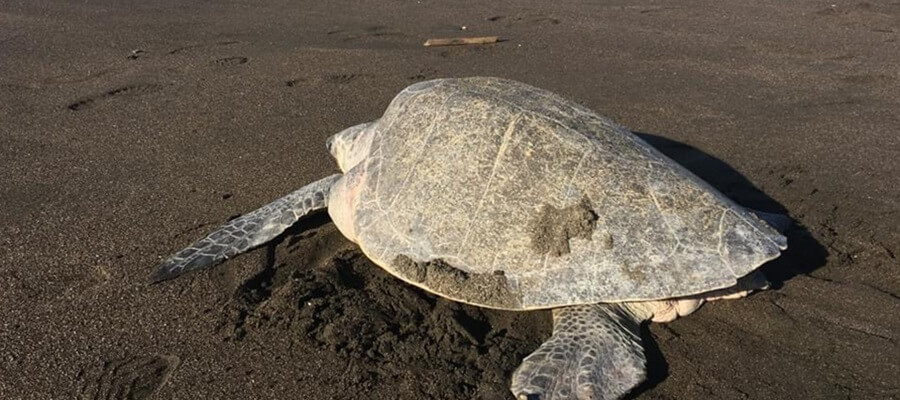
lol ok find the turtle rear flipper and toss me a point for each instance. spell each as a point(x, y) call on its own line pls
point(780, 222)
point(247, 231)
point(594, 353)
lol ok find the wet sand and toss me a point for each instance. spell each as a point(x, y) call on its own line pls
point(128, 131)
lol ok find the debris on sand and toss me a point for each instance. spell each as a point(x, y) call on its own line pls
point(461, 41)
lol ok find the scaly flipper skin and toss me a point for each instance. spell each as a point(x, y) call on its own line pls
point(594, 353)
point(247, 231)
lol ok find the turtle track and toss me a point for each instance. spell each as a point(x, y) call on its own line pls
point(324, 293)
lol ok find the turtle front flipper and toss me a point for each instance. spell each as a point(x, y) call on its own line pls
point(594, 353)
point(247, 231)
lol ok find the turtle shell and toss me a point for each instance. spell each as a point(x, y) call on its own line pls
point(499, 194)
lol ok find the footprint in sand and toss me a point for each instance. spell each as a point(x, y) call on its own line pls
point(343, 79)
point(133, 90)
point(862, 9)
point(423, 74)
point(134, 378)
point(368, 33)
point(230, 61)
point(294, 82)
point(196, 46)
point(527, 18)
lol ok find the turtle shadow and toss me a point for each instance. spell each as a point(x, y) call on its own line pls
point(804, 254)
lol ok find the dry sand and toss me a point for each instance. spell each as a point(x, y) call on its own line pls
point(129, 129)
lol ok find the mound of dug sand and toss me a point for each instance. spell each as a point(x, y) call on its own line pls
point(325, 294)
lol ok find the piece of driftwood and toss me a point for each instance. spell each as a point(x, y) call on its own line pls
point(461, 41)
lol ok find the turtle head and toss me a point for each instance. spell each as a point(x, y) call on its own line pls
point(333, 144)
point(350, 146)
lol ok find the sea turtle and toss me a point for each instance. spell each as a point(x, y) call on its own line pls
point(499, 194)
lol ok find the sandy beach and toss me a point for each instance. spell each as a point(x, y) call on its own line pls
point(130, 129)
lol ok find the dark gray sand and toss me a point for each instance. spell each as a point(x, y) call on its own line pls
point(130, 129)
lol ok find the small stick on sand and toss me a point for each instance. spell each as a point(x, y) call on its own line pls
point(461, 41)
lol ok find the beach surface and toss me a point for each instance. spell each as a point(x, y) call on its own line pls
point(129, 129)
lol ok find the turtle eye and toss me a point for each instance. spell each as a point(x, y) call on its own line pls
point(329, 143)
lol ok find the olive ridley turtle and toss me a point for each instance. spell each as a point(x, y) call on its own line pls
point(499, 194)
